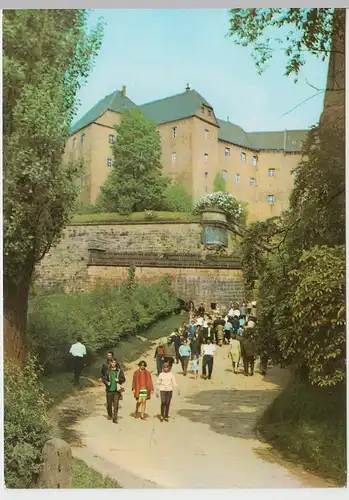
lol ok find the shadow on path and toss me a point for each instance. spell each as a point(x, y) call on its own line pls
point(232, 412)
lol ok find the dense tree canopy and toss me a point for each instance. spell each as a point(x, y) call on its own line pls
point(135, 182)
point(47, 55)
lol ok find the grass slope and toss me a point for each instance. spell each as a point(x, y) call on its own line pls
point(85, 477)
point(308, 425)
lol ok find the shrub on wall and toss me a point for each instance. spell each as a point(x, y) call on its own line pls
point(102, 317)
point(26, 425)
point(226, 202)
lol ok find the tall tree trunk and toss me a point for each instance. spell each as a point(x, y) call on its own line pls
point(15, 318)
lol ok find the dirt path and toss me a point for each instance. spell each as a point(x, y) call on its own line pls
point(209, 441)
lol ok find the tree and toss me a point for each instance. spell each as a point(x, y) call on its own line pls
point(47, 55)
point(135, 182)
point(309, 30)
point(219, 184)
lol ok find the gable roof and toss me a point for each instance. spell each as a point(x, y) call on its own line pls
point(187, 104)
point(174, 108)
point(229, 132)
point(115, 101)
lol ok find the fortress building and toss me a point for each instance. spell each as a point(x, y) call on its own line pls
point(257, 166)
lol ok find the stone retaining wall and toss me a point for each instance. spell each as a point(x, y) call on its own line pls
point(93, 253)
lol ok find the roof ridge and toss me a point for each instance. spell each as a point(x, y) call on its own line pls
point(164, 98)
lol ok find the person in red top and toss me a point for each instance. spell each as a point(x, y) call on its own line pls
point(142, 387)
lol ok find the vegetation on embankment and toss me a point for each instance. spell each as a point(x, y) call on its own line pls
point(103, 317)
point(83, 477)
point(307, 425)
point(145, 216)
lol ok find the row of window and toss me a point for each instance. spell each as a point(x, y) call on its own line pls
point(111, 139)
point(243, 156)
point(174, 132)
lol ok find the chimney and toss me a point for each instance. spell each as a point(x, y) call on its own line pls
point(123, 90)
point(187, 88)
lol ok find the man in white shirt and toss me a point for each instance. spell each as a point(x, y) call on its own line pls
point(208, 351)
point(78, 351)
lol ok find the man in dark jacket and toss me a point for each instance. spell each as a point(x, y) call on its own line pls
point(169, 352)
point(113, 379)
point(105, 365)
point(249, 352)
point(176, 339)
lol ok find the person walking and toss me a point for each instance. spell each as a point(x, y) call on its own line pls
point(243, 310)
point(228, 328)
point(159, 356)
point(113, 379)
point(78, 351)
point(142, 387)
point(169, 352)
point(235, 352)
point(201, 310)
point(184, 353)
point(165, 385)
point(176, 340)
point(249, 352)
point(208, 352)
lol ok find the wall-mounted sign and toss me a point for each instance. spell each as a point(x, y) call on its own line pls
point(213, 235)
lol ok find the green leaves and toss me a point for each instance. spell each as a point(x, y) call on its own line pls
point(47, 55)
point(26, 424)
point(308, 30)
point(135, 182)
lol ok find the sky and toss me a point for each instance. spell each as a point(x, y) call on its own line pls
point(156, 52)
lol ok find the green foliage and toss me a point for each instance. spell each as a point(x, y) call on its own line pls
point(102, 317)
point(318, 306)
point(135, 182)
point(308, 423)
point(299, 261)
point(219, 184)
point(136, 216)
point(26, 425)
point(177, 199)
point(47, 57)
point(308, 30)
point(84, 477)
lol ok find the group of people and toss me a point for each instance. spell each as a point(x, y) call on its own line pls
point(195, 342)
point(113, 378)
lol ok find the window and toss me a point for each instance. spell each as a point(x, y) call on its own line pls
point(227, 152)
point(174, 131)
point(206, 132)
point(82, 138)
point(271, 199)
point(293, 142)
point(111, 139)
point(174, 157)
point(206, 157)
point(109, 162)
point(254, 160)
point(271, 172)
point(243, 156)
point(74, 142)
point(206, 174)
point(237, 178)
point(209, 112)
point(224, 175)
point(202, 110)
point(252, 181)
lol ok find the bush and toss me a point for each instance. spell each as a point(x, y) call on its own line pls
point(102, 317)
point(177, 199)
point(26, 425)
